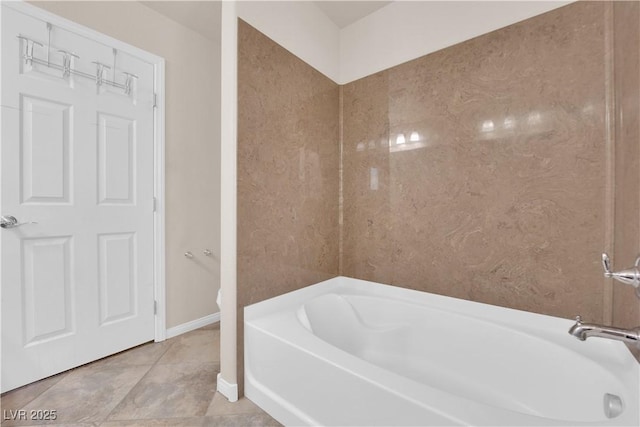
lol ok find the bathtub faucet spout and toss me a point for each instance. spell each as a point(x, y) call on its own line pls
point(582, 331)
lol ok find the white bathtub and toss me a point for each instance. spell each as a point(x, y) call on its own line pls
point(353, 353)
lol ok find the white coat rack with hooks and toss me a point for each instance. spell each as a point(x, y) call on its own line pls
point(68, 57)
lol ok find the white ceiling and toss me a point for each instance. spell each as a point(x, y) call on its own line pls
point(344, 13)
point(204, 16)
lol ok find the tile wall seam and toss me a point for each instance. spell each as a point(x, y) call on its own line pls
point(638, 219)
point(610, 135)
point(340, 178)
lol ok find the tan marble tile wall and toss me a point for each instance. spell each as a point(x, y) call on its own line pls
point(479, 171)
point(626, 78)
point(288, 159)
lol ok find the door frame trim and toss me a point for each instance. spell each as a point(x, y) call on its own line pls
point(159, 267)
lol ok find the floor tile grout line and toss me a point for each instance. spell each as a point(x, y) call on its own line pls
point(176, 340)
point(138, 382)
point(106, 418)
point(2, 422)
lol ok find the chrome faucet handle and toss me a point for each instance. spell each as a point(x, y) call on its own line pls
point(606, 264)
point(629, 276)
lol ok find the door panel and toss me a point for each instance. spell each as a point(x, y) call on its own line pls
point(116, 148)
point(77, 159)
point(118, 284)
point(46, 138)
point(48, 286)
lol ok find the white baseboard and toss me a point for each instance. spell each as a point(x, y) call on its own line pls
point(194, 324)
point(228, 390)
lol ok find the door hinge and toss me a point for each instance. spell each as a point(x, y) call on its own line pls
point(155, 100)
point(155, 307)
point(155, 204)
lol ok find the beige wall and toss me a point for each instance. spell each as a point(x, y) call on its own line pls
point(192, 143)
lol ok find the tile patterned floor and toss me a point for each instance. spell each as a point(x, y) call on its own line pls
point(165, 384)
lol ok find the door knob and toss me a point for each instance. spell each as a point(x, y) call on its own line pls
point(9, 221)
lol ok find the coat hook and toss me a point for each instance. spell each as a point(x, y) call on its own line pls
point(49, 28)
point(66, 62)
point(128, 82)
point(188, 254)
point(207, 252)
point(100, 67)
point(115, 54)
point(28, 49)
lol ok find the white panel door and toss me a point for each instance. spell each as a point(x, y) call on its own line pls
point(77, 159)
